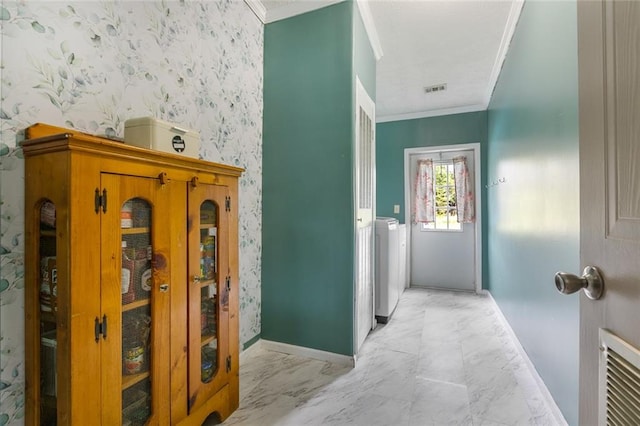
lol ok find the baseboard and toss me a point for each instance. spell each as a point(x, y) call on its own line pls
point(306, 352)
point(255, 346)
point(551, 403)
point(250, 342)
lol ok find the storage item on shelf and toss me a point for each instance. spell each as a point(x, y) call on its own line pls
point(48, 214)
point(48, 284)
point(149, 132)
point(126, 215)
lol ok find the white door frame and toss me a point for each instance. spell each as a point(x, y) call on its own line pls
point(363, 100)
point(475, 147)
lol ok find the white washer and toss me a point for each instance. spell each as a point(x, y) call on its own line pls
point(387, 272)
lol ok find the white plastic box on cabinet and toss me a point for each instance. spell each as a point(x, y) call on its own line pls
point(151, 133)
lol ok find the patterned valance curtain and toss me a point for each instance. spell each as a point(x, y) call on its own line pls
point(424, 198)
point(465, 204)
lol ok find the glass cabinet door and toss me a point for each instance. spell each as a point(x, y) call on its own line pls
point(135, 298)
point(207, 281)
point(48, 282)
point(208, 293)
point(136, 279)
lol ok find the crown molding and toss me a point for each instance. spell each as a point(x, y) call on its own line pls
point(300, 7)
point(370, 27)
point(430, 113)
point(296, 8)
point(258, 9)
point(509, 29)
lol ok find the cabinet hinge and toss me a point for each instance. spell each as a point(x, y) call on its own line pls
point(100, 200)
point(100, 328)
point(228, 364)
point(228, 283)
point(227, 203)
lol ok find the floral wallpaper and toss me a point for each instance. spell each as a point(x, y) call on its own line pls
point(91, 65)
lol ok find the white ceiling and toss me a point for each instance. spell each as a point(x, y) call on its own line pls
point(461, 43)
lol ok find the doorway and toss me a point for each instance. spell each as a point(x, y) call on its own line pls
point(444, 253)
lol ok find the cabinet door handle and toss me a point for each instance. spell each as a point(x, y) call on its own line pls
point(164, 288)
point(164, 178)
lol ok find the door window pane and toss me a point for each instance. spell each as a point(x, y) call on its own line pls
point(445, 193)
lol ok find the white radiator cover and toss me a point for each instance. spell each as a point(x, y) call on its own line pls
point(619, 397)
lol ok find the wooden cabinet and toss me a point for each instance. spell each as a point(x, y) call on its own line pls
point(131, 283)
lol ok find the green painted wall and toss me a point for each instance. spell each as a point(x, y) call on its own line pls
point(393, 137)
point(308, 222)
point(533, 228)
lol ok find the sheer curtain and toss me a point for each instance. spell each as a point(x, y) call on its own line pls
point(465, 204)
point(424, 197)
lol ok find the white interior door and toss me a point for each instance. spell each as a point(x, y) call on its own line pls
point(442, 256)
point(365, 202)
point(609, 58)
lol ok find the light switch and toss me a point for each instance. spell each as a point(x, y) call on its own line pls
point(396, 208)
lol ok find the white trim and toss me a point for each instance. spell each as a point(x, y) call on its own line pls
point(297, 8)
point(258, 9)
point(431, 113)
point(370, 27)
point(308, 352)
point(362, 99)
point(408, 152)
point(546, 395)
point(509, 29)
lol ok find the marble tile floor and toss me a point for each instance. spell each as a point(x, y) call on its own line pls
point(443, 359)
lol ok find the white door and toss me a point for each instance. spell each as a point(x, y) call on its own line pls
point(609, 67)
point(364, 202)
point(442, 254)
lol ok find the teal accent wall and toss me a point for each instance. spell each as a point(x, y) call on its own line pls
point(533, 227)
point(308, 219)
point(393, 137)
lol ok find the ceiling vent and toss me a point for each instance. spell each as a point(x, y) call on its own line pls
point(437, 88)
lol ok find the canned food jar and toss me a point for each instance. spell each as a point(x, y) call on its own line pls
point(126, 215)
point(134, 359)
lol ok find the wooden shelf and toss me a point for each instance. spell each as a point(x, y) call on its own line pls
point(207, 339)
point(132, 379)
point(47, 232)
point(133, 231)
point(207, 283)
point(135, 304)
